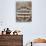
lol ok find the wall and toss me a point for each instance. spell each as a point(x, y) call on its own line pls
point(7, 19)
point(39, 18)
point(30, 30)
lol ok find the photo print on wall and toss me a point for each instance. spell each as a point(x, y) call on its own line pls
point(24, 11)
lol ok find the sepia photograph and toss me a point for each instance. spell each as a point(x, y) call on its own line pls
point(24, 11)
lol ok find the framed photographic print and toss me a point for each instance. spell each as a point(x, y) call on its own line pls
point(24, 11)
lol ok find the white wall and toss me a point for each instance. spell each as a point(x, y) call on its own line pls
point(39, 18)
point(39, 44)
point(8, 19)
point(30, 30)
